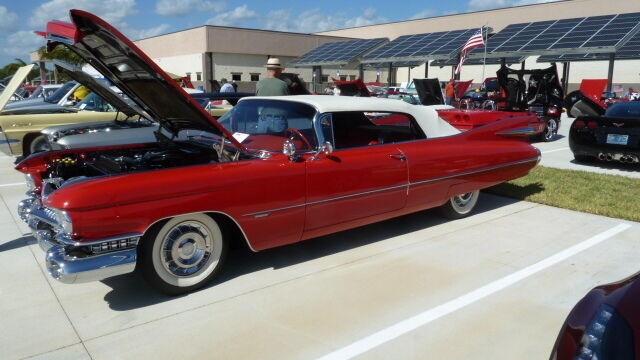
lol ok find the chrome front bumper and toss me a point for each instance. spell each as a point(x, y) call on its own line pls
point(62, 260)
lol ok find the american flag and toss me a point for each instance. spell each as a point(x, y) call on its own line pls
point(476, 40)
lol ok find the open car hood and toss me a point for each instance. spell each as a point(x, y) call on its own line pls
point(132, 71)
point(14, 84)
point(429, 91)
point(97, 87)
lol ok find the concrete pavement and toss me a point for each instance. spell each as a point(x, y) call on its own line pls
point(310, 299)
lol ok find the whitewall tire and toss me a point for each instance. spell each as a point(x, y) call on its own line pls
point(460, 206)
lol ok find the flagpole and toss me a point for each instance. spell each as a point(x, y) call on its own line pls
point(484, 60)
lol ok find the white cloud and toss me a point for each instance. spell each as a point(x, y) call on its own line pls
point(9, 19)
point(136, 34)
point(235, 17)
point(180, 8)
point(423, 14)
point(112, 11)
point(21, 44)
point(315, 20)
point(479, 5)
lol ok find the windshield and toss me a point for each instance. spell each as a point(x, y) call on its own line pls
point(93, 102)
point(36, 93)
point(625, 110)
point(266, 124)
point(60, 92)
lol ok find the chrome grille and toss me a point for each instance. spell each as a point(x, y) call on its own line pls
point(114, 245)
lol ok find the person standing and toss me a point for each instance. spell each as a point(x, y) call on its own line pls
point(226, 87)
point(450, 92)
point(272, 85)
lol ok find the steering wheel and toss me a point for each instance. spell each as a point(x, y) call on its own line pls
point(291, 131)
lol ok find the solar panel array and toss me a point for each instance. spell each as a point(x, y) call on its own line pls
point(630, 50)
point(558, 36)
point(423, 46)
point(341, 52)
point(478, 61)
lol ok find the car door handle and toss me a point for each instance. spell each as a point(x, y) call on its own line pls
point(400, 157)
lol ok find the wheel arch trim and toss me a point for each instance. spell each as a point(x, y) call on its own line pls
point(207, 212)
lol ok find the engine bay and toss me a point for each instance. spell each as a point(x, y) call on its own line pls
point(133, 159)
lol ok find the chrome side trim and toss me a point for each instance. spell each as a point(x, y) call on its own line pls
point(521, 131)
point(536, 159)
point(259, 213)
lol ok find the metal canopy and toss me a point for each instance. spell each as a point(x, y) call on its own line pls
point(428, 46)
point(395, 64)
point(628, 51)
point(339, 53)
point(478, 61)
point(595, 34)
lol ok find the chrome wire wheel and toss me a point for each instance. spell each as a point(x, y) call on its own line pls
point(552, 130)
point(185, 253)
point(460, 206)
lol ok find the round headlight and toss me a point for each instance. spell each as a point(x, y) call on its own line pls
point(31, 184)
point(64, 220)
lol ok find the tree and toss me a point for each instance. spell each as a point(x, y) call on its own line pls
point(60, 53)
point(11, 69)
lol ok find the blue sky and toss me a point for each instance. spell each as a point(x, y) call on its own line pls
point(145, 18)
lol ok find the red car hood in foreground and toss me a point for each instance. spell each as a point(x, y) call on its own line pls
point(620, 339)
point(122, 62)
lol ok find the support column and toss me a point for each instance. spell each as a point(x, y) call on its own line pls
point(565, 76)
point(361, 72)
point(43, 73)
point(207, 71)
point(612, 59)
point(426, 69)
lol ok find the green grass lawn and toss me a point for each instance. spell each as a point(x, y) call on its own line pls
point(608, 195)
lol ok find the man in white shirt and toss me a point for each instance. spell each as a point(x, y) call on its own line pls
point(226, 87)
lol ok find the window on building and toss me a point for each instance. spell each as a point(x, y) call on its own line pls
point(255, 77)
point(189, 75)
point(324, 78)
point(198, 76)
point(236, 76)
point(343, 77)
point(352, 77)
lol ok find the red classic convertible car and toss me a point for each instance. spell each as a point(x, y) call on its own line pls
point(273, 171)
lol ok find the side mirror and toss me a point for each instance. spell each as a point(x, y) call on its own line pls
point(325, 148)
point(289, 149)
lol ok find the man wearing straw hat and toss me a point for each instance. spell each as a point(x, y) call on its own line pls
point(272, 85)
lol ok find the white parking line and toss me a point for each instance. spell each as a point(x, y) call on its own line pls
point(374, 340)
point(14, 184)
point(554, 150)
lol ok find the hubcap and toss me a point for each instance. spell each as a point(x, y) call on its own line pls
point(551, 128)
point(186, 248)
point(460, 201)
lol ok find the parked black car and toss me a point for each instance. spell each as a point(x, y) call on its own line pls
point(614, 136)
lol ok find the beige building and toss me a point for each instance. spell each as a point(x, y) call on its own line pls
point(210, 53)
point(626, 72)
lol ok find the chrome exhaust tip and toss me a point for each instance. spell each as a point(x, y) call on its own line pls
point(608, 157)
point(601, 156)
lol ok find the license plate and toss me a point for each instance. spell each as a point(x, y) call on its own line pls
point(617, 139)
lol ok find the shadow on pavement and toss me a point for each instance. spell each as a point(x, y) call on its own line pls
point(131, 291)
point(515, 191)
point(609, 165)
point(17, 243)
